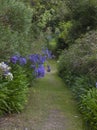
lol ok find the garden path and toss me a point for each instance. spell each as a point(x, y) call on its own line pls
point(51, 107)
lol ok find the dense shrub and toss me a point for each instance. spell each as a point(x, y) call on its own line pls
point(8, 42)
point(16, 15)
point(15, 23)
point(83, 16)
point(18, 33)
point(80, 58)
point(65, 28)
point(78, 68)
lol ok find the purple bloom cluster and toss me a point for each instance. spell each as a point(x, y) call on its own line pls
point(22, 61)
point(14, 59)
point(34, 61)
point(37, 64)
point(18, 59)
point(40, 71)
point(37, 59)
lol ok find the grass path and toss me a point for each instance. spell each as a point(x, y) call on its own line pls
point(51, 107)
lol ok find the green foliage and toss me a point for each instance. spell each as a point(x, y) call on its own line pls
point(81, 85)
point(16, 15)
point(89, 108)
point(62, 36)
point(13, 94)
point(52, 45)
point(65, 28)
point(80, 59)
point(44, 18)
point(83, 16)
point(29, 71)
point(8, 42)
point(74, 19)
point(48, 13)
point(78, 68)
point(3, 96)
point(15, 24)
point(18, 33)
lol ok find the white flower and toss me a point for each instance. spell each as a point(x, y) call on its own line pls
point(4, 71)
point(9, 76)
point(4, 67)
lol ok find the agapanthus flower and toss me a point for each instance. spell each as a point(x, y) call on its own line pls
point(33, 58)
point(37, 59)
point(42, 59)
point(9, 76)
point(14, 59)
point(4, 71)
point(40, 71)
point(22, 61)
point(4, 67)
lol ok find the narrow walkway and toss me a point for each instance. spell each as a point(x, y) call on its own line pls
point(51, 107)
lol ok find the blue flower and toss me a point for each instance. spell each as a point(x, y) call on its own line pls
point(14, 59)
point(40, 71)
point(37, 59)
point(22, 61)
point(42, 59)
point(33, 58)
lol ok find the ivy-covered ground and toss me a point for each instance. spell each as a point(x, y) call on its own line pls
point(51, 107)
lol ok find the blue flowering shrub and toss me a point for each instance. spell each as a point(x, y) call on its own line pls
point(34, 64)
point(35, 67)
